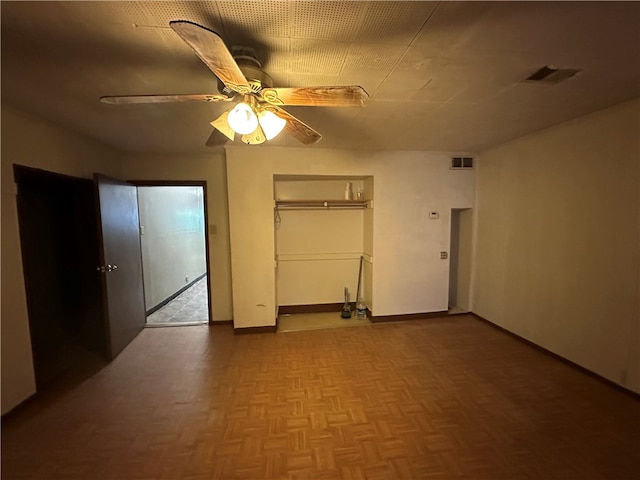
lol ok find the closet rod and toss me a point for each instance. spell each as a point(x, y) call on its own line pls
point(321, 204)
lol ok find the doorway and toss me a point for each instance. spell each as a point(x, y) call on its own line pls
point(460, 260)
point(81, 258)
point(60, 251)
point(174, 247)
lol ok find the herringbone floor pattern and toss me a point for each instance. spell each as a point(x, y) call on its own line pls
point(442, 398)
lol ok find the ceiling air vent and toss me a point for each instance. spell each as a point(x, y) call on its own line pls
point(550, 74)
point(461, 163)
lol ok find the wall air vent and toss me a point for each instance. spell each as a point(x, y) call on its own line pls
point(461, 163)
point(550, 74)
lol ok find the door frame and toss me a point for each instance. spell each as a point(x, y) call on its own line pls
point(189, 183)
point(456, 254)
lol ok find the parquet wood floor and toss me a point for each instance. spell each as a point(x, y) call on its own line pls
point(441, 398)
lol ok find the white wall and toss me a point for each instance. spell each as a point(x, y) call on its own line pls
point(34, 143)
point(408, 275)
point(210, 168)
point(172, 239)
point(557, 252)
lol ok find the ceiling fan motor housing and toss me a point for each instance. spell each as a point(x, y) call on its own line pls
point(251, 68)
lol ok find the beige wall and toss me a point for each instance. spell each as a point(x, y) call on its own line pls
point(30, 142)
point(210, 168)
point(408, 275)
point(557, 252)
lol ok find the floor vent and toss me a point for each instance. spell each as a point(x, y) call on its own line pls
point(550, 74)
point(460, 163)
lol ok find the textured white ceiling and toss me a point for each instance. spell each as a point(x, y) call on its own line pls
point(441, 75)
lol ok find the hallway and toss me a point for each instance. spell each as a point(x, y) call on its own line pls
point(191, 307)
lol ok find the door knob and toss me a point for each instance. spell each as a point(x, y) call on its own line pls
point(108, 268)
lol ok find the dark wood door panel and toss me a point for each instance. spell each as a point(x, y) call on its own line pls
point(120, 255)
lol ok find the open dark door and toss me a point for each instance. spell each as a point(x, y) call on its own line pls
point(121, 261)
point(59, 247)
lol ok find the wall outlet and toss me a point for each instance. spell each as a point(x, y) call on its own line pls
point(186, 279)
point(444, 255)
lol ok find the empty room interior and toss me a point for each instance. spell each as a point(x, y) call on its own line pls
point(456, 182)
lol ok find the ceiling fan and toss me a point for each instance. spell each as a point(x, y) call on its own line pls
point(256, 115)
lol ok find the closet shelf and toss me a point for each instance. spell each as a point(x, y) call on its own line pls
point(320, 204)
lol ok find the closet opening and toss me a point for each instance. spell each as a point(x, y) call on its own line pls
point(323, 227)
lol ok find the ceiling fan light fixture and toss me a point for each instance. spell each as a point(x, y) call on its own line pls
point(241, 77)
point(242, 119)
point(271, 124)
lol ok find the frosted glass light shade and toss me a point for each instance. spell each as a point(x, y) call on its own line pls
point(242, 119)
point(271, 124)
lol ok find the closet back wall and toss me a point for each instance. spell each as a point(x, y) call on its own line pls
point(318, 250)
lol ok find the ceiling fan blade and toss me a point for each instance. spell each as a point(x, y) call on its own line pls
point(221, 123)
point(214, 53)
point(127, 99)
point(339, 96)
point(296, 128)
point(216, 139)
